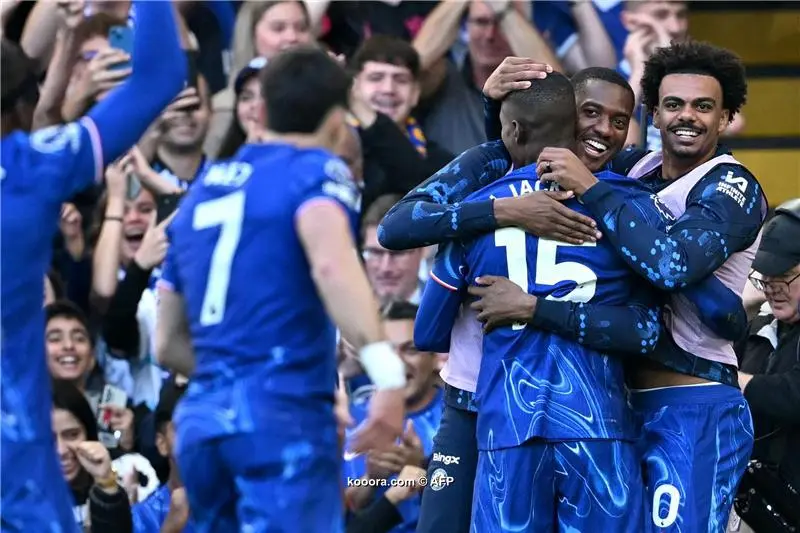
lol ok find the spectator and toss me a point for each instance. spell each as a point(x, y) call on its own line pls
point(654, 24)
point(248, 119)
point(769, 359)
point(70, 358)
point(101, 505)
point(95, 74)
point(151, 514)
point(424, 409)
point(394, 275)
point(386, 87)
point(263, 29)
point(454, 116)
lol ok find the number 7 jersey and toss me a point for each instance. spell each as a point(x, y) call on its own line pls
point(534, 383)
point(263, 342)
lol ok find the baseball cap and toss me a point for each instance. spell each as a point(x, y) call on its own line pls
point(251, 69)
point(779, 251)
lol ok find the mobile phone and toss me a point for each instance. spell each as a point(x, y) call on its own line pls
point(111, 397)
point(166, 204)
point(121, 38)
point(191, 80)
point(134, 186)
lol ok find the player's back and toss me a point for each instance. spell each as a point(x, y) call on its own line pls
point(260, 332)
point(534, 383)
point(39, 172)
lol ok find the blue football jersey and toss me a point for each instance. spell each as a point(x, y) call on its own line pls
point(264, 345)
point(533, 383)
point(39, 172)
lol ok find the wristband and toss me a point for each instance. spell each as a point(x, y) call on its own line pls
point(107, 483)
point(113, 219)
point(383, 366)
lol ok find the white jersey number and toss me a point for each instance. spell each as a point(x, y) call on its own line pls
point(674, 496)
point(548, 271)
point(227, 212)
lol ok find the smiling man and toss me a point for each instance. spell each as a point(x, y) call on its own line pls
point(697, 424)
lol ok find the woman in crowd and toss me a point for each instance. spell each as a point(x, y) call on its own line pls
point(101, 504)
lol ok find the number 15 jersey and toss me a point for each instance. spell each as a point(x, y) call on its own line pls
point(263, 342)
point(534, 383)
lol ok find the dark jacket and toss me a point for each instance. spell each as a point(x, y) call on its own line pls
point(771, 352)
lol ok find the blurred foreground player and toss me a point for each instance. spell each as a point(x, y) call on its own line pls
point(261, 246)
point(39, 172)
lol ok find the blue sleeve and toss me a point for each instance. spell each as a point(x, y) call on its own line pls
point(144, 519)
point(159, 72)
point(724, 213)
point(491, 119)
point(330, 180)
point(441, 300)
point(433, 212)
point(66, 157)
point(629, 329)
point(719, 308)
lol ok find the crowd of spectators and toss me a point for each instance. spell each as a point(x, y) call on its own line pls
point(418, 70)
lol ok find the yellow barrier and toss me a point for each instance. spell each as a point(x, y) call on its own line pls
point(778, 171)
point(773, 107)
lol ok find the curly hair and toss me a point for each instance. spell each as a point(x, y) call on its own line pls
point(694, 57)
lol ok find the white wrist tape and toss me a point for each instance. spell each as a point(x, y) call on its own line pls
point(383, 366)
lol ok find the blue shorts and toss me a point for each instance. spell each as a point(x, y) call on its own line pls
point(257, 482)
point(35, 496)
point(448, 506)
point(697, 442)
point(559, 486)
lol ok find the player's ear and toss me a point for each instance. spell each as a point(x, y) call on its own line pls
point(518, 132)
point(656, 120)
point(724, 120)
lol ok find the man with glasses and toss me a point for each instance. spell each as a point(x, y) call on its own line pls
point(393, 274)
point(769, 358)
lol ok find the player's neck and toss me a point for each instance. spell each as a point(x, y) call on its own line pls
point(300, 140)
point(673, 167)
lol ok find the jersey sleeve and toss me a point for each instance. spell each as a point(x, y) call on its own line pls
point(67, 157)
point(724, 213)
point(441, 300)
point(435, 211)
point(330, 182)
point(491, 119)
point(719, 308)
point(630, 329)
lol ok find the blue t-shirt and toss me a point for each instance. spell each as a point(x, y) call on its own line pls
point(263, 342)
point(39, 172)
point(149, 515)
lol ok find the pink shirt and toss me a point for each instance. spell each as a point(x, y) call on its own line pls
point(466, 349)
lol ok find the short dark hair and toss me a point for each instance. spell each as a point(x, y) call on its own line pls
point(399, 310)
point(168, 399)
point(18, 79)
point(693, 57)
point(548, 105)
point(301, 86)
point(66, 396)
point(57, 283)
point(66, 309)
point(609, 75)
point(387, 49)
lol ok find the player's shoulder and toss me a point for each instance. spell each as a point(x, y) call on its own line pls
point(729, 178)
point(516, 183)
point(622, 181)
point(624, 161)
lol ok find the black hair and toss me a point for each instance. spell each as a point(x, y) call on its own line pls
point(171, 393)
point(68, 397)
point(66, 309)
point(694, 57)
point(57, 284)
point(18, 79)
point(548, 105)
point(609, 75)
point(387, 49)
point(304, 84)
point(399, 310)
